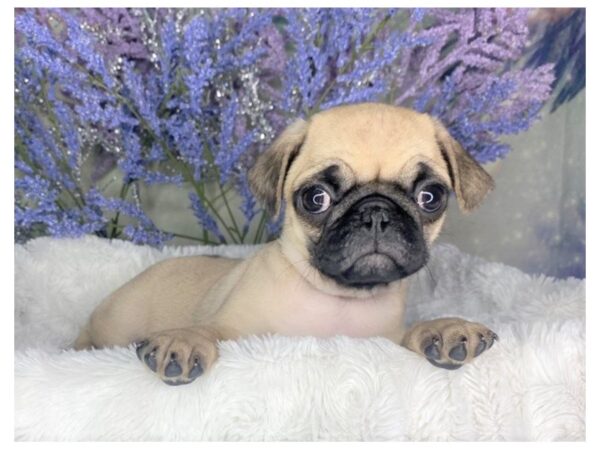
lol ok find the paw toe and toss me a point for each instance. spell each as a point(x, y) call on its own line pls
point(178, 356)
point(139, 348)
point(481, 345)
point(173, 368)
point(196, 370)
point(493, 338)
point(432, 349)
point(458, 352)
point(150, 360)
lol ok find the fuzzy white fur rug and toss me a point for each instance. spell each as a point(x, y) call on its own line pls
point(529, 386)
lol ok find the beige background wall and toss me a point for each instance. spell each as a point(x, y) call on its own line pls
point(535, 218)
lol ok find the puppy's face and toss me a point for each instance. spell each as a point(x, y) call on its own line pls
point(366, 188)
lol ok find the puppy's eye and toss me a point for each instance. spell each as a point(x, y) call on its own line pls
point(316, 200)
point(431, 198)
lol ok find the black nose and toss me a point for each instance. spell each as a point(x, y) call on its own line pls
point(375, 214)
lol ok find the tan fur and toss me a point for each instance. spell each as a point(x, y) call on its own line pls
point(470, 182)
point(182, 306)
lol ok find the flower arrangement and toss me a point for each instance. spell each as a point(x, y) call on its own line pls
point(190, 97)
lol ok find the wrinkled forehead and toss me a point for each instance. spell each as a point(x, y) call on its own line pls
point(382, 144)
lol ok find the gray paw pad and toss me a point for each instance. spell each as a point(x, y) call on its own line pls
point(173, 369)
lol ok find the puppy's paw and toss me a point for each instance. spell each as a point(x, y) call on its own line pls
point(449, 343)
point(179, 356)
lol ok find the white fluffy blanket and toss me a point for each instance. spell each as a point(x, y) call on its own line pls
point(529, 386)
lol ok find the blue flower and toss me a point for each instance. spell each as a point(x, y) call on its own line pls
point(82, 44)
point(204, 218)
point(189, 97)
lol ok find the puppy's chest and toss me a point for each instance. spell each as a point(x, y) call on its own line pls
point(315, 314)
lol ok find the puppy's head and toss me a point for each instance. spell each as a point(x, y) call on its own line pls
point(366, 188)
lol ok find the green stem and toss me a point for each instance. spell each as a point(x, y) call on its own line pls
point(228, 208)
point(210, 159)
point(259, 228)
point(181, 235)
point(225, 191)
point(194, 238)
point(230, 213)
point(114, 223)
point(189, 177)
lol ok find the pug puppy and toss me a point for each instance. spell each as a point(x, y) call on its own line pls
point(365, 189)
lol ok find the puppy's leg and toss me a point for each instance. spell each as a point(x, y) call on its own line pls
point(450, 342)
point(84, 340)
point(181, 355)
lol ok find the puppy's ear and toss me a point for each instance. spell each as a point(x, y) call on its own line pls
point(267, 176)
point(470, 182)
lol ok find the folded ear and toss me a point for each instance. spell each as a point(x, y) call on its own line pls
point(267, 176)
point(470, 182)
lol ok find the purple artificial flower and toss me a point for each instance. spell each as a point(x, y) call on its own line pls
point(230, 149)
point(83, 44)
point(145, 99)
point(191, 95)
point(463, 77)
point(205, 219)
point(120, 31)
point(170, 53)
point(145, 232)
point(186, 138)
